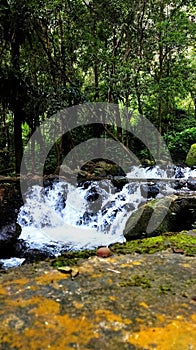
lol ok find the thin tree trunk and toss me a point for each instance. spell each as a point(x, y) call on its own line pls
point(160, 75)
point(18, 144)
point(17, 109)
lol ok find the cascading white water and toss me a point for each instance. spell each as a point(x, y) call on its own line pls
point(63, 217)
point(76, 217)
point(155, 172)
point(88, 216)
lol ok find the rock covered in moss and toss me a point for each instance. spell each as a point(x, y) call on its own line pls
point(191, 156)
point(171, 213)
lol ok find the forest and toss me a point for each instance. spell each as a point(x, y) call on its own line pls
point(55, 54)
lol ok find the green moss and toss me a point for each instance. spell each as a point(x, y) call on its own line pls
point(152, 245)
point(164, 289)
point(69, 259)
point(185, 242)
point(137, 281)
point(190, 282)
point(149, 245)
point(191, 156)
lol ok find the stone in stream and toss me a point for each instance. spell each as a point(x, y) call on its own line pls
point(179, 173)
point(191, 183)
point(178, 184)
point(170, 214)
point(149, 190)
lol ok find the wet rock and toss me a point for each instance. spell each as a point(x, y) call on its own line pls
point(191, 183)
point(171, 213)
point(86, 218)
point(33, 255)
point(149, 190)
point(92, 195)
point(8, 239)
point(170, 171)
point(179, 173)
point(178, 184)
point(20, 248)
point(119, 182)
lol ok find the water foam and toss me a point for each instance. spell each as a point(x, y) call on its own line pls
point(90, 215)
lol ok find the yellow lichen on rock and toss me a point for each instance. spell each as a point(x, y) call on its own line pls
point(108, 320)
point(178, 335)
point(132, 263)
point(2, 291)
point(20, 281)
point(50, 277)
point(49, 329)
point(143, 304)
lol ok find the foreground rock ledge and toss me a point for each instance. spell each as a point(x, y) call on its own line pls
point(122, 302)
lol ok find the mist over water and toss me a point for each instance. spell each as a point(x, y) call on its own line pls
point(64, 216)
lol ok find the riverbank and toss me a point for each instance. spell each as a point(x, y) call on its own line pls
point(128, 301)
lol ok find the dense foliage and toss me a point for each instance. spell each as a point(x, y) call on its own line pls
point(180, 142)
point(56, 54)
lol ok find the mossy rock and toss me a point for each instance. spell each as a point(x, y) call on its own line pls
point(183, 242)
point(191, 156)
point(171, 213)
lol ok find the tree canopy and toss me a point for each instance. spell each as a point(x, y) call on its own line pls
point(57, 54)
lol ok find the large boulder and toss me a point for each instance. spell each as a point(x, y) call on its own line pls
point(8, 240)
point(99, 169)
point(171, 213)
point(191, 156)
point(10, 201)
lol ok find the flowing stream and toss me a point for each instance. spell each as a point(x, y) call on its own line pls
point(65, 217)
point(91, 215)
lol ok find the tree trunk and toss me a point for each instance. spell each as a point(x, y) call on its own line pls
point(17, 103)
point(160, 76)
point(18, 144)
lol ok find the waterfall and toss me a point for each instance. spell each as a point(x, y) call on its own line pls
point(63, 216)
point(77, 217)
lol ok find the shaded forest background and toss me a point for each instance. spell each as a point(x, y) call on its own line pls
point(59, 53)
